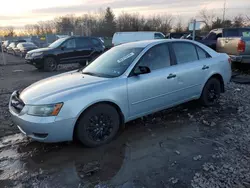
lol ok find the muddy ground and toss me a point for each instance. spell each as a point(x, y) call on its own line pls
point(186, 146)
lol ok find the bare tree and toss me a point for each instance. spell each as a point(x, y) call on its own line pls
point(29, 29)
point(179, 26)
point(208, 17)
point(9, 31)
point(46, 27)
point(65, 24)
point(167, 23)
point(238, 21)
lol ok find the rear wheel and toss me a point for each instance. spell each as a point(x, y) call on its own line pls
point(98, 125)
point(50, 64)
point(211, 92)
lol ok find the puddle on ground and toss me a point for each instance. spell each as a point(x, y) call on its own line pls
point(71, 164)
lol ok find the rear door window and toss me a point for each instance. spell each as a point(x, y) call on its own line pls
point(69, 44)
point(83, 43)
point(232, 33)
point(185, 52)
point(201, 53)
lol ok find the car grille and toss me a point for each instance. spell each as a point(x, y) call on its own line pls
point(16, 103)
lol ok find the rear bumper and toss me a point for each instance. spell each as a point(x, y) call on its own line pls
point(240, 59)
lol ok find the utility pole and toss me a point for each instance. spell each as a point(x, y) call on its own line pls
point(194, 27)
point(3, 55)
point(224, 12)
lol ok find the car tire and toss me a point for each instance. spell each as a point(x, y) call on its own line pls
point(39, 67)
point(50, 64)
point(211, 92)
point(98, 125)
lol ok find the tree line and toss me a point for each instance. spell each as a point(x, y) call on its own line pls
point(105, 24)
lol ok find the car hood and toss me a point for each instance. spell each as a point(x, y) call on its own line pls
point(38, 92)
point(40, 50)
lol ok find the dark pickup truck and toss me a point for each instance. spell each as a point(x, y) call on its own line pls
point(211, 39)
point(236, 43)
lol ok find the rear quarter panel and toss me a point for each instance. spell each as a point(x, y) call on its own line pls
point(220, 65)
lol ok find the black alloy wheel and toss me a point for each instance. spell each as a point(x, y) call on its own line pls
point(50, 64)
point(98, 125)
point(211, 92)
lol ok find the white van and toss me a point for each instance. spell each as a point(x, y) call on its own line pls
point(125, 37)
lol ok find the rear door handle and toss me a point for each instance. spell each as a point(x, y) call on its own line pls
point(171, 76)
point(205, 67)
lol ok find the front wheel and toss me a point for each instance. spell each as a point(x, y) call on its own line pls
point(39, 67)
point(211, 92)
point(98, 125)
point(50, 64)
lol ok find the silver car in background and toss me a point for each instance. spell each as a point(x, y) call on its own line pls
point(127, 82)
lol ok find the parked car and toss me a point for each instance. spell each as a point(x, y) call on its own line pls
point(126, 82)
point(177, 35)
point(11, 47)
point(5, 45)
point(125, 37)
point(236, 43)
point(211, 39)
point(66, 50)
point(22, 48)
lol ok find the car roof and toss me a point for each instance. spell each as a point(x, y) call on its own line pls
point(150, 43)
point(145, 43)
point(140, 44)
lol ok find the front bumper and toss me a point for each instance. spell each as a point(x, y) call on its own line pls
point(43, 129)
point(34, 60)
point(240, 59)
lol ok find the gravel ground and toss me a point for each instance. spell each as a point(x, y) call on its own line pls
point(186, 146)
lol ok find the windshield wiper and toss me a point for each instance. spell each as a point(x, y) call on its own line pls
point(90, 73)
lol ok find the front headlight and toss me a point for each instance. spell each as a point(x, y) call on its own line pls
point(44, 110)
point(36, 54)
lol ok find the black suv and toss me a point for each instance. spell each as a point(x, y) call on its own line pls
point(66, 50)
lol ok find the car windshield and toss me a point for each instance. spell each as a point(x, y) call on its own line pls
point(113, 63)
point(57, 43)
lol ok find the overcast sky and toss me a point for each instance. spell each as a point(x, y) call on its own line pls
point(21, 12)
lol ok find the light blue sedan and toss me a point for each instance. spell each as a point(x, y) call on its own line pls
point(127, 82)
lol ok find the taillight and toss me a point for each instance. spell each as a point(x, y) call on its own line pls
point(241, 46)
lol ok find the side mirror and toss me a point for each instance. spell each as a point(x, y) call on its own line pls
point(141, 70)
point(62, 47)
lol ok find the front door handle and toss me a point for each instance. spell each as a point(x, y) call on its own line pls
point(171, 76)
point(205, 67)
